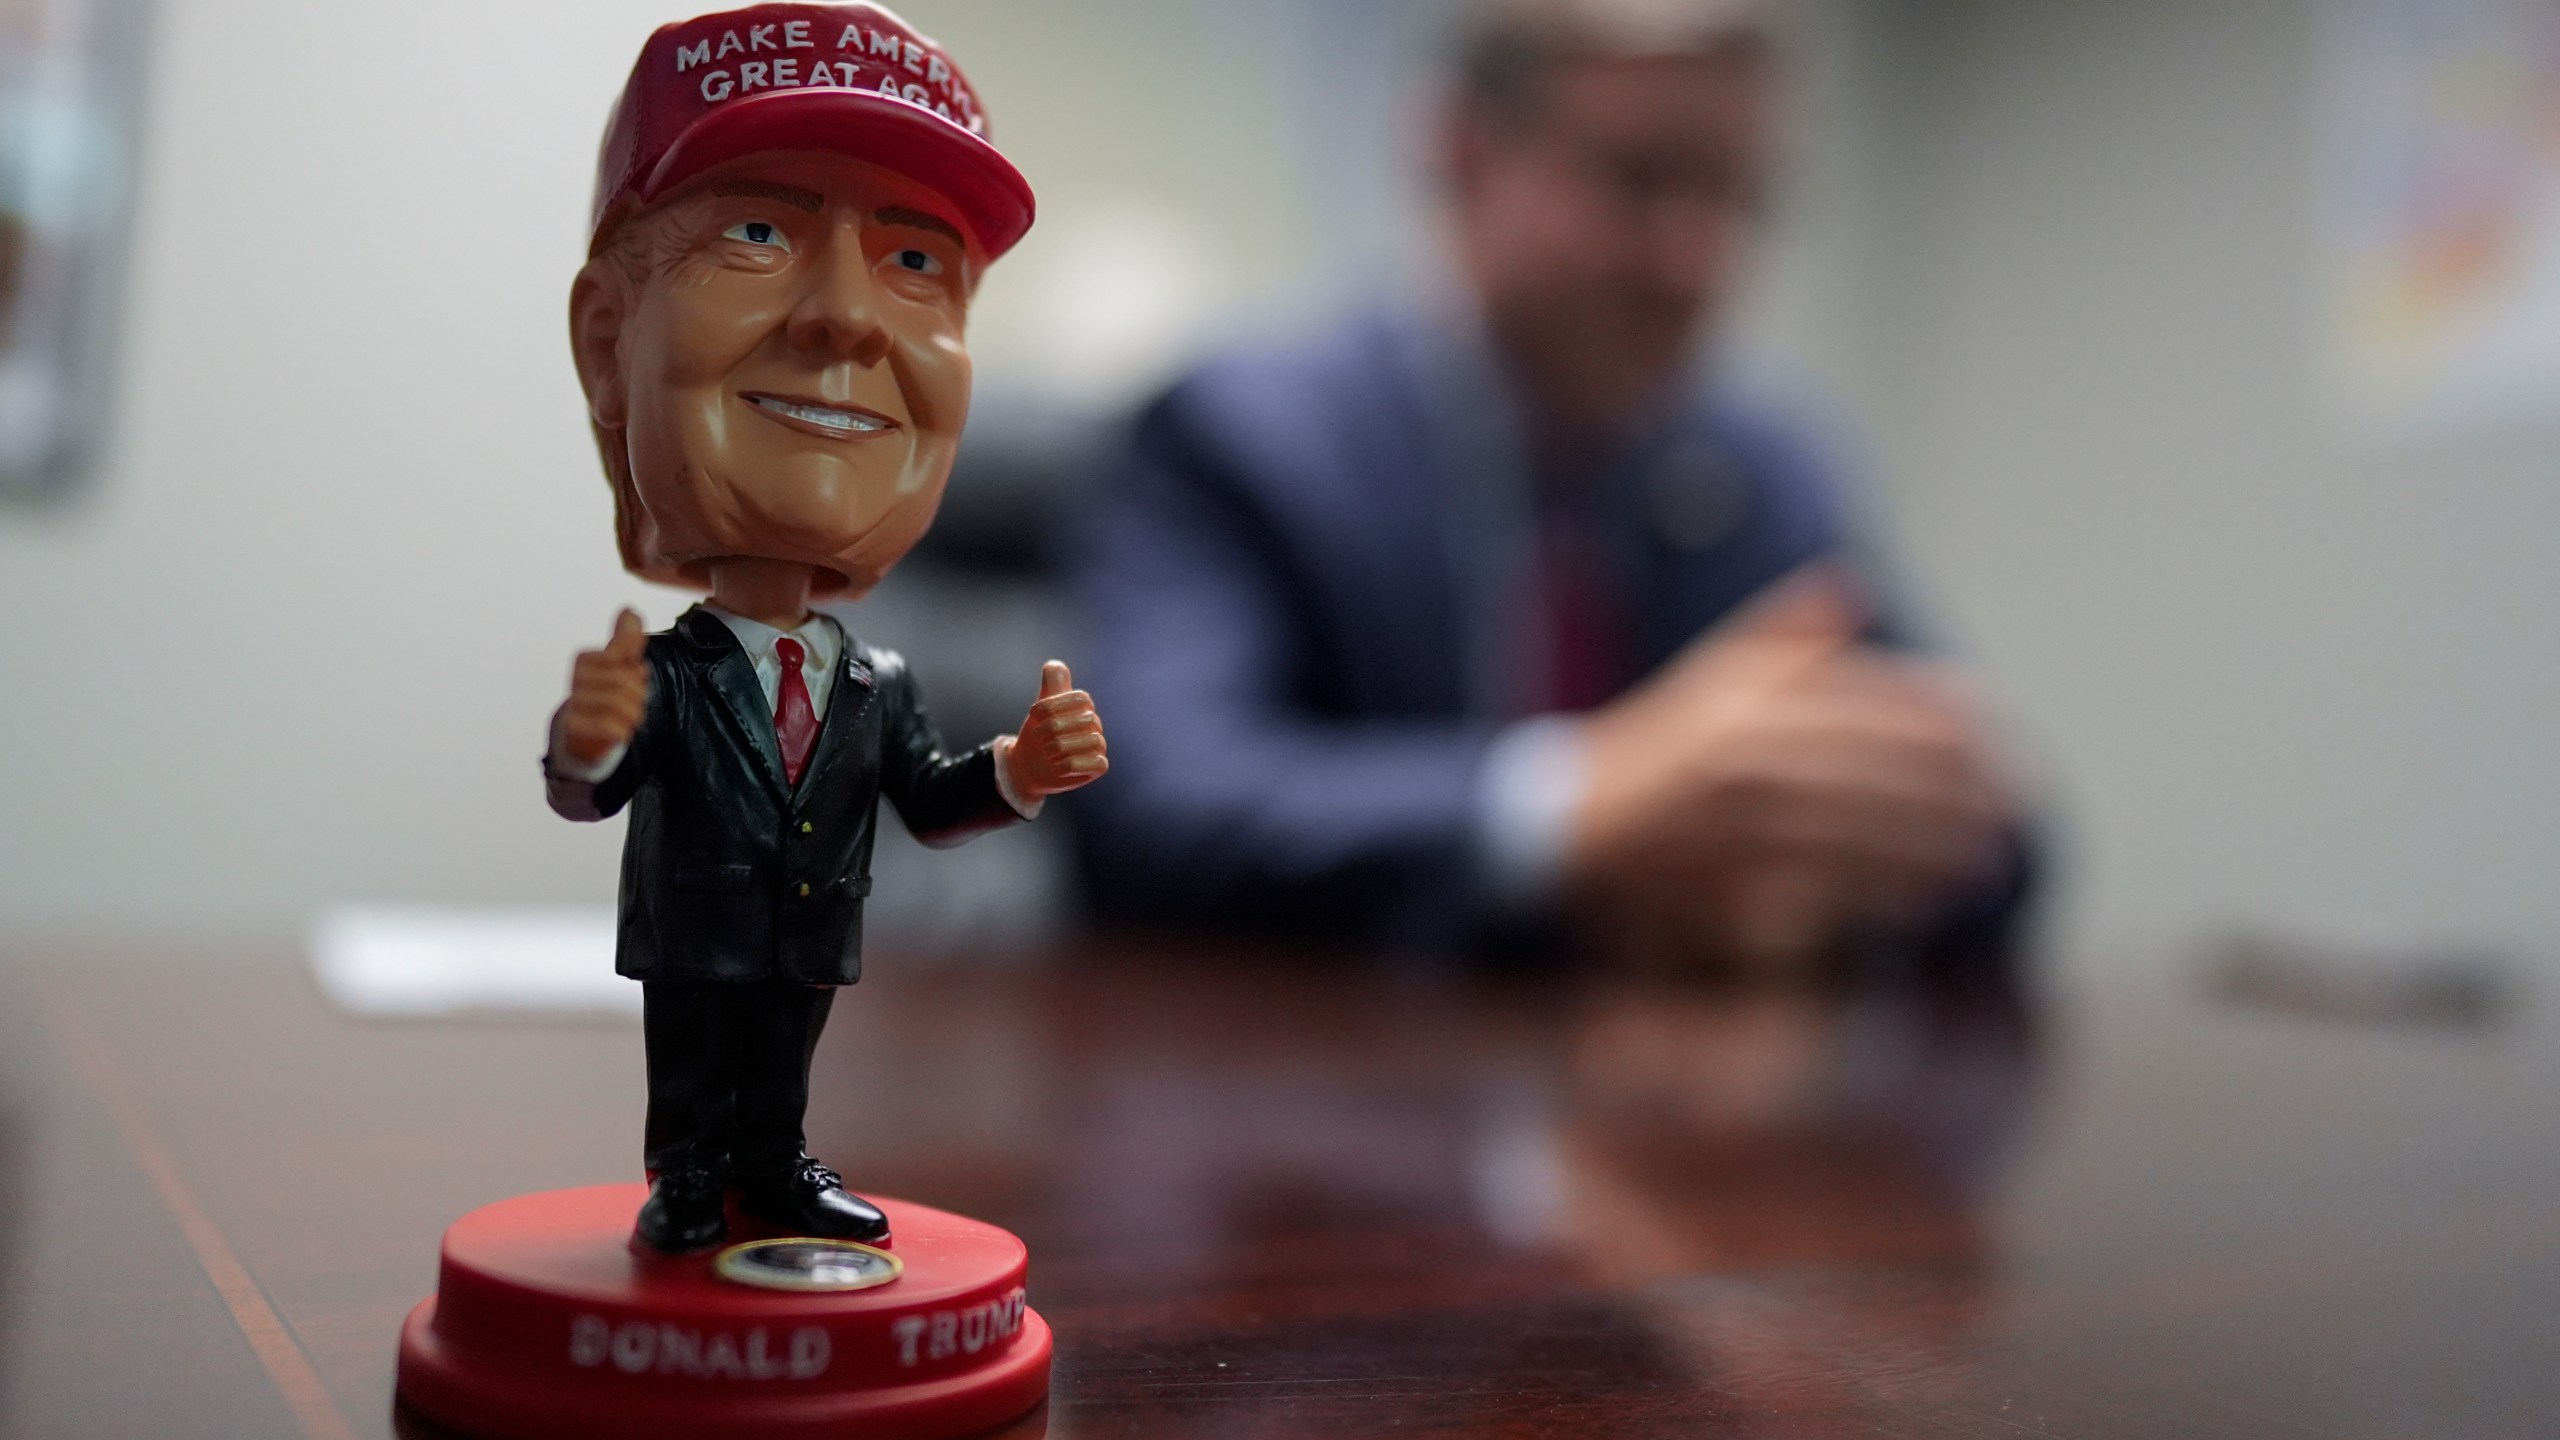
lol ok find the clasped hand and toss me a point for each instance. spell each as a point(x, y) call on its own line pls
point(1782, 786)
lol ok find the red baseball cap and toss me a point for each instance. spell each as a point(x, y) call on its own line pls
point(850, 78)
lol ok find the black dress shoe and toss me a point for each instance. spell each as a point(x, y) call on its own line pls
point(683, 1212)
point(810, 1199)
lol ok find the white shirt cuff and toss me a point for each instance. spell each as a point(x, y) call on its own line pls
point(1004, 782)
point(559, 763)
point(1526, 795)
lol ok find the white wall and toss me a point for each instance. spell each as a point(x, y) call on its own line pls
point(2278, 676)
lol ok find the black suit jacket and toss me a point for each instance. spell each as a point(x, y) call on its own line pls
point(727, 872)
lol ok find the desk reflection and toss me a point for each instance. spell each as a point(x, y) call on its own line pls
point(1269, 1198)
point(1285, 1182)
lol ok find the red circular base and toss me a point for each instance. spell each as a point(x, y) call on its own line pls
point(548, 1320)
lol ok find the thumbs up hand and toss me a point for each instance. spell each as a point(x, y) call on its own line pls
point(1061, 746)
point(608, 694)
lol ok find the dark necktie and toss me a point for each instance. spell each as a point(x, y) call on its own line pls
point(1586, 626)
point(795, 720)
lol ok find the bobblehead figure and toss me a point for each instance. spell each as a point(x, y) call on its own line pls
point(794, 206)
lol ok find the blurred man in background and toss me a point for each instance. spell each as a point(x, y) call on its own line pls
point(1495, 622)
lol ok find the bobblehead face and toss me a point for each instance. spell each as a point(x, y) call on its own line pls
point(775, 366)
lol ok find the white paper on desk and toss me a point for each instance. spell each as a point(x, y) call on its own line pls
point(410, 961)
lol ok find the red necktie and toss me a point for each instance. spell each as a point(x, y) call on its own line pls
point(1586, 629)
point(795, 720)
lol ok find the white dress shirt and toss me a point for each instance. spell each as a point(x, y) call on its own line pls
point(1534, 777)
point(822, 660)
point(822, 648)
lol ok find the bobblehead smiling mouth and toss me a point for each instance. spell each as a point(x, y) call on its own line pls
point(835, 422)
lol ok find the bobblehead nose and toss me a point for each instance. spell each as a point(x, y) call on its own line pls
point(838, 317)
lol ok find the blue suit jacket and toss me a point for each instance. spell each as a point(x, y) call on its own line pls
point(1302, 576)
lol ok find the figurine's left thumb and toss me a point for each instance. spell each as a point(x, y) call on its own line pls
point(1054, 679)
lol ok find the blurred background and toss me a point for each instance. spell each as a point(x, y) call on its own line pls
point(2193, 444)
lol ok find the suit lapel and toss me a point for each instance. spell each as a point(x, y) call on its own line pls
point(730, 675)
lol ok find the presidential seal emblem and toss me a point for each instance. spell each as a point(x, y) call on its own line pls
point(808, 1264)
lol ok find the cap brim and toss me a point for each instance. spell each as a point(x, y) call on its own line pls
point(994, 200)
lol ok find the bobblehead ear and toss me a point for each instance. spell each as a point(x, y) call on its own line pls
point(597, 302)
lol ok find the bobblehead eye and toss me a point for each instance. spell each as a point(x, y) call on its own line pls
point(918, 262)
point(758, 232)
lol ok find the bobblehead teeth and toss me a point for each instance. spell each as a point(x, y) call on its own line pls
point(850, 422)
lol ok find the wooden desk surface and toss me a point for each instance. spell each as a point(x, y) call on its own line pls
point(1264, 1200)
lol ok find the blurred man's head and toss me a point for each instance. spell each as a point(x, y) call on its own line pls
point(1606, 162)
